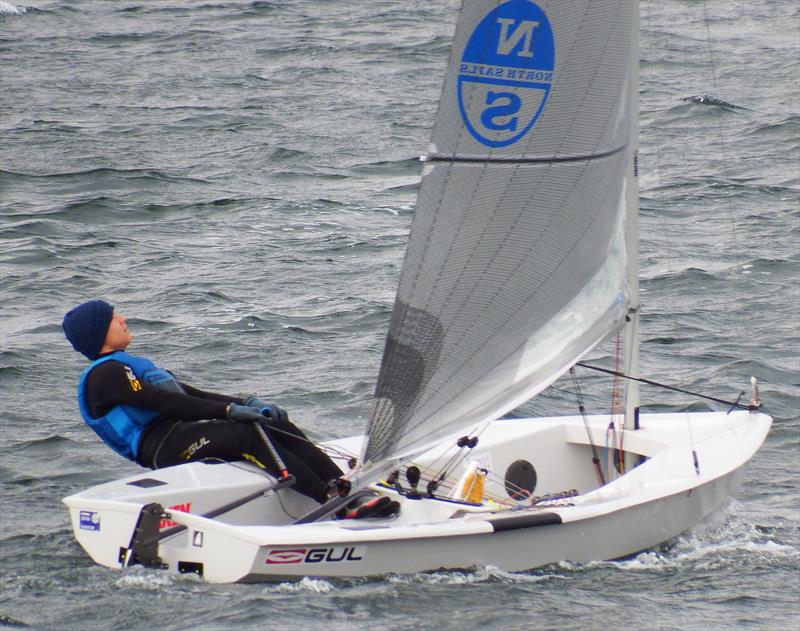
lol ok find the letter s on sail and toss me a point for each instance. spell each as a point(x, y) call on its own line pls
point(510, 104)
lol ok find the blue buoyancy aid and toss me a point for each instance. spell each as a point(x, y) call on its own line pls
point(121, 428)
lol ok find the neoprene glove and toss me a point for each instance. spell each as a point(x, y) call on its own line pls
point(244, 413)
point(269, 409)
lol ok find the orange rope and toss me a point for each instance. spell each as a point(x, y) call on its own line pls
point(616, 406)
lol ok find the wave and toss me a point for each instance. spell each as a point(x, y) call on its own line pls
point(105, 207)
point(154, 174)
point(712, 186)
point(784, 129)
point(284, 153)
point(255, 7)
point(707, 99)
point(27, 222)
point(46, 443)
point(305, 172)
point(389, 167)
point(695, 276)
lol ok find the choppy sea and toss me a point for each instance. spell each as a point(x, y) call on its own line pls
point(238, 177)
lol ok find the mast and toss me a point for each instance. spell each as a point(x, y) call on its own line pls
point(631, 366)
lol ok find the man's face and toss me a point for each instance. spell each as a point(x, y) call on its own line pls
point(118, 336)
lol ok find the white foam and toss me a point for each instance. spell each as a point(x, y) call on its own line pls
point(708, 546)
point(155, 581)
point(479, 575)
point(6, 8)
point(312, 585)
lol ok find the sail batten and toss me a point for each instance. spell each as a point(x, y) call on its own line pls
point(515, 265)
point(436, 157)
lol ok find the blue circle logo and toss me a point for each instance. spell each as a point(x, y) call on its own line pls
point(505, 73)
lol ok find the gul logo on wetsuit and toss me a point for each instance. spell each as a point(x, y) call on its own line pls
point(197, 445)
point(136, 385)
point(332, 554)
point(506, 73)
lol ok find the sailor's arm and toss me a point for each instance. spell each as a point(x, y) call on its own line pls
point(112, 383)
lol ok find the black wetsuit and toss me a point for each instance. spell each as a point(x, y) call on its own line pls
point(192, 426)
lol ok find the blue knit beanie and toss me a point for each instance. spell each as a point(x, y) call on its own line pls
point(86, 326)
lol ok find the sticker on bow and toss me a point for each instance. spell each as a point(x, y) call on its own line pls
point(89, 520)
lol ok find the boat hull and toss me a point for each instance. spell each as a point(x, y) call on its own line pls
point(593, 539)
point(676, 483)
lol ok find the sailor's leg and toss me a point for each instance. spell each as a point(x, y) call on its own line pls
point(229, 441)
point(291, 438)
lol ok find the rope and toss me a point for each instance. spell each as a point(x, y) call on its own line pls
point(732, 404)
point(595, 459)
point(616, 410)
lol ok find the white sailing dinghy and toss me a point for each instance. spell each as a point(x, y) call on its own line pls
point(522, 257)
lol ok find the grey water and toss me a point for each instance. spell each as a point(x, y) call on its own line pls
point(238, 177)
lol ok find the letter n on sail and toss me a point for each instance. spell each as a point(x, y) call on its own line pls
point(506, 72)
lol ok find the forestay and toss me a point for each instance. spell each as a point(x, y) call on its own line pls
point(515, 264)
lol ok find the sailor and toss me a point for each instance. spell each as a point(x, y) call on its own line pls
point(146, 415)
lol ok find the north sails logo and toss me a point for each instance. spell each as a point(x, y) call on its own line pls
point(506, 72)
point(333, 554)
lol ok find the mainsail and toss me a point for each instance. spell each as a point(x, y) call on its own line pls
point(515, 265)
